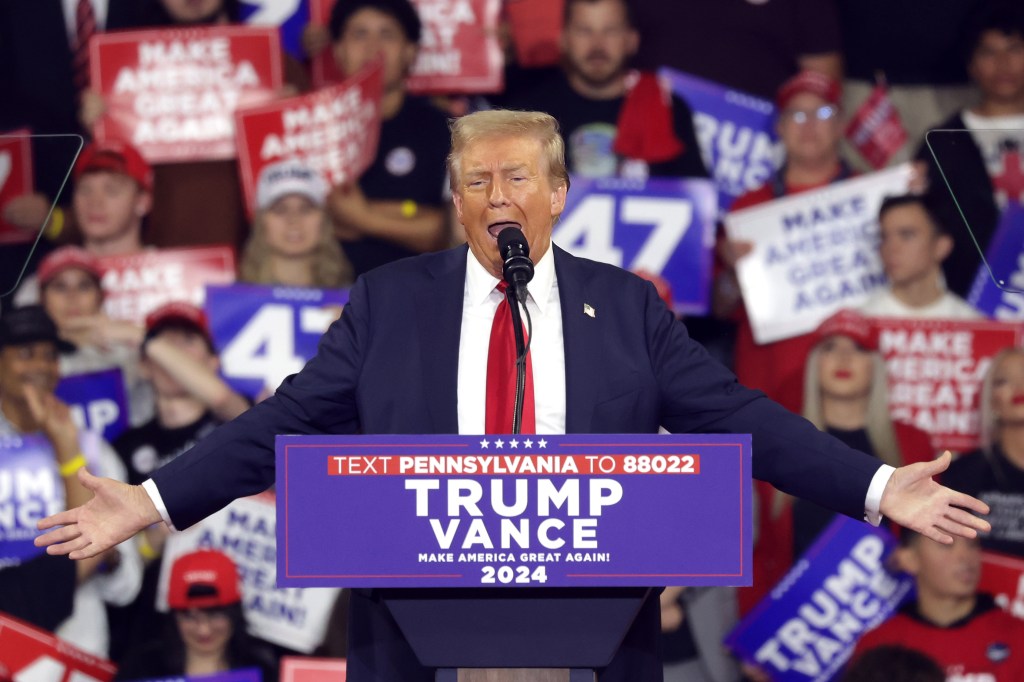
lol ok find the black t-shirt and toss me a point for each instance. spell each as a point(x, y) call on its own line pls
point(154, 661)
point(997, 482)
point(589, 127)
point(146, 448)
point(809, 519)
point(40, 590)
point(410, 165)
point(748, 45)
point(917, 42)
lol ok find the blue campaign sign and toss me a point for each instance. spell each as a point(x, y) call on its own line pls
point(808, 627)
point(97, 400)
point(529, 510)
point(662, 226)
point(30, 489)
point(290, 16)
point(1005, 255)
point(736, 132)
point(264, 334)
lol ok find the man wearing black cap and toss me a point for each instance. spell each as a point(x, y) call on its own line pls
point(29, 371)
point(397, 209)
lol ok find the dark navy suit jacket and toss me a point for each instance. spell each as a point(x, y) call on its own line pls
point(390, 366)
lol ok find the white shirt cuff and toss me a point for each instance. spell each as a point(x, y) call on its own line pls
point(150, 487)
point(873, 501)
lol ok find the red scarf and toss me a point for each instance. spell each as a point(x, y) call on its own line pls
point(645, 129)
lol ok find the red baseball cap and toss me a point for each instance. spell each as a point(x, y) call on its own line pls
point(67, 257)
point(115, 157)
point(178, 313)
point(202, 580)
point(850, 323)
point(814, 82)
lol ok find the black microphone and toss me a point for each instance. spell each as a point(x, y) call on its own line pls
point(517, 269)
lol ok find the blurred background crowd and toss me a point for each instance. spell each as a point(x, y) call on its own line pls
point(947, 65)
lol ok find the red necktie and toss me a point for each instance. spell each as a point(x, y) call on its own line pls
point(501, 375)
point(85, 27)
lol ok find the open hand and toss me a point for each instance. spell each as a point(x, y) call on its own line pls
point(116, 512)
point(915, 501)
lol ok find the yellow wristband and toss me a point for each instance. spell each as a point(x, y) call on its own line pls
point(409, 208)
point(146, 549)
point(71, 467)
point(56, 225)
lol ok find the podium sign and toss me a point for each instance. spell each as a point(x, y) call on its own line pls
point(513, 511)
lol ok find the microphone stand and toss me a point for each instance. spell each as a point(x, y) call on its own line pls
point(521, 350)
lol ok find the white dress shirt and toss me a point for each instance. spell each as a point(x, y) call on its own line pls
point(547, 352)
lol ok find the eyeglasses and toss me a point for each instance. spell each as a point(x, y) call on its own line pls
point(801, 116)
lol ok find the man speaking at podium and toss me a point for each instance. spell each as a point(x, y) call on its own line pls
point(418, 350)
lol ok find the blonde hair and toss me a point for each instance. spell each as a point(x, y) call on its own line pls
point(988, 423)
point(506, 123)
point(330, 267)
point(878, 423)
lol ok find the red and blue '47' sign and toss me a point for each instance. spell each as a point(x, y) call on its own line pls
point(663, 226)
point(263, 334)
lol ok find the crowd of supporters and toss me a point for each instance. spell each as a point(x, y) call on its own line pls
point(951, 66)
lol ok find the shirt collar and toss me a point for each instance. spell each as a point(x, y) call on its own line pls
point(480, 283)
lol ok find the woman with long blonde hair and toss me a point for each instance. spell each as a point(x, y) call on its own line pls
point(994, 473)
point(292, 241)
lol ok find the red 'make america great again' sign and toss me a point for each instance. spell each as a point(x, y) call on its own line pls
point(459, 50)
point(172, 93)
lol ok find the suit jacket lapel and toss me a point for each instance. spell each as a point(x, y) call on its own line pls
point(581, 342)
point(439, 324)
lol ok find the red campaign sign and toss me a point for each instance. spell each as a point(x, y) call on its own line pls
point(876, 130)
point(334, 130)
point(1003, 577)
point(536, 27)
point(302, 669)
point(323, 70)
point(15, 179)
point(28, 654)
point(459, 49)
point(172, 93)
point(935, 372)
point(135, 285)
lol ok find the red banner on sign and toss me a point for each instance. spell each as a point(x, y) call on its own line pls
point(172, 93)
point(15, 179)
point(301, 669)
point(935, 372)
point(334, 130)
point(1003, 577)
point(876, 130)
point(29, 654)
point(459, 49)
point(135, 285)
point(536, 27)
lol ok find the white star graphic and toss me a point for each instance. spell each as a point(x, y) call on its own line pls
point(528, 443)
point(542, 443)
point(499, 443)
point(484, 443)
point(513, 443)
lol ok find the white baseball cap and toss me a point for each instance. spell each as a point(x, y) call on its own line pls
point(289, 177)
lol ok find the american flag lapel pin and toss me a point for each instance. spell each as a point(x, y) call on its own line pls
point(589, 311)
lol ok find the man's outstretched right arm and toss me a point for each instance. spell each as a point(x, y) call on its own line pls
point(116, 512)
